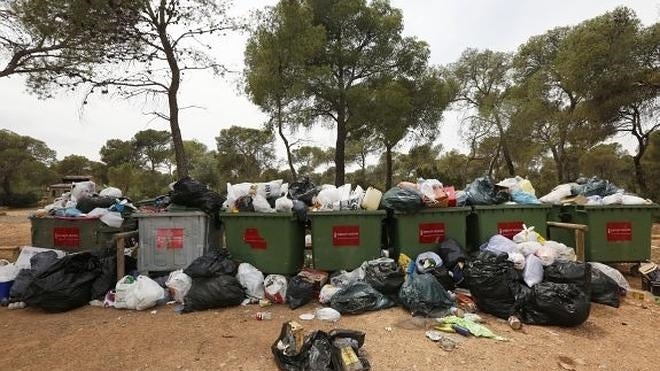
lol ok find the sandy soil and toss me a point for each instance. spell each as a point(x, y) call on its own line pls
point(231, 339)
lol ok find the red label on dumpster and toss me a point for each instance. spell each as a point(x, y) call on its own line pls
point(169, 238)
point(431, 232)
point(509, 229)
point(619, 231)
point(346, 235)
point(252, 237)
point(66, 237)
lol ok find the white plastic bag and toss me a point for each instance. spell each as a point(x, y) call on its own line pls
point(344, 192)
point(563, 253)
point(111, 192)
point(252, 281)
point(275, 288)
point(236, 191)
point(112, 219)
point(147, 292)
point(533, 272)
point(518, 260)
point(546, 254)
point(427, 187)
point(8, 271)
point(526, 235)
point(327, 314)
point(82, 189)
point(328, 195)
point(272, 188)
point(614, 199)
point(529, 248)
point(261, 205)
point(283, 204)
point(179, 283)
point(97, 212)
point(613, 274)
point(327, 292)
point(557, 194)
point(139, 294)
point(634, 200)
point(125, 294)
point(500, 244)
point(427, 261)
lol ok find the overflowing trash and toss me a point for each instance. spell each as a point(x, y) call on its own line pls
point(592, 191)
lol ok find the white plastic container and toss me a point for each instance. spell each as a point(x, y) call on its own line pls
point(371, 199)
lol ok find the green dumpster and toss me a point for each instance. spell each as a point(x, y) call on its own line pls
point(507, 220)
point(345, 239)
point(412, 234)
point(617, 233)
point(273, 243)
point(75, 233)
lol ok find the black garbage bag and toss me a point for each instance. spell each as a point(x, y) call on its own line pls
point(384, 275)
point(213, 292)
point(299, 292)
point(318, 351)
point(300, 210)
point(38, 263)
point(64, 285)
point(493, 282)
point(604, 290)
point(87, 204)
point(442, 275)
point(191, 193)
point(107, 279)
point(403, 200)
point(359, 297)
point(568, 272)
point(554, 304)
point(594, 187)
point(245, 204)
point(424, 296)
point(483, 191)
point(451, 253)
point(303, 190)
point(213, 263)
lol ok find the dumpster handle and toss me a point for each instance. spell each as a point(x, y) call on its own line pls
point(579, 235)
point(118, 239)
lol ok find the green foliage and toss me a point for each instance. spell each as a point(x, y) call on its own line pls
point(74, 165)
point(153, 147)
point(24, 167)
point(243, 153)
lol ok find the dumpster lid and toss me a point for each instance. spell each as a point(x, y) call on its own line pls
point(347, 213)
point(439, 210)
point(513, 206)
point(168, 214)
point(253, 214)
point(602, 207)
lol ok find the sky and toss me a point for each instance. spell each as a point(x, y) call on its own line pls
point(448, 26)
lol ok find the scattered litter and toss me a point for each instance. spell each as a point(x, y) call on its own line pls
point(306, 316)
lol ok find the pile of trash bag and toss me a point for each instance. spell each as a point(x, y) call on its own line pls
point(337, 350)
point(561, 299)
point(191, 193)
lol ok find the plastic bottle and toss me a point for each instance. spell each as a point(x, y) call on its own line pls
point(264, 316)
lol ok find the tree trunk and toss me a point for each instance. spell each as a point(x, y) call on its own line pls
point(339, 148)
point(493, 161)
point(289, 156)
point(557, 157)
point(504, 146)
point(388, 167)
point(172, 92)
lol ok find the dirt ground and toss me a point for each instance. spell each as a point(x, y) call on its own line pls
point(231, 339)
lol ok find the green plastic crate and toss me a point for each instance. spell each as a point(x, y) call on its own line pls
point(412, 234)
point(75, 234)
point(507, 220)
point(617, 233)
point(345, 239)
point(273, 243)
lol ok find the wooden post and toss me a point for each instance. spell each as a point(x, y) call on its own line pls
point(120, 239)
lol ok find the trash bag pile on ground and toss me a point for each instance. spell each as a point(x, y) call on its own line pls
point(592, 191)
point(109, 205)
